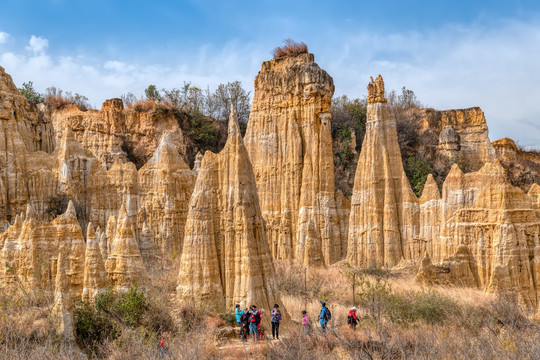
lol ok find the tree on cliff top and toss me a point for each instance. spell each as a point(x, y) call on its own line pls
point(30, 93)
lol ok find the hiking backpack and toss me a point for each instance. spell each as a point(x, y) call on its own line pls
point(327, 315)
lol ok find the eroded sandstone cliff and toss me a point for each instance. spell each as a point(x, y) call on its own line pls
point(117, 133)
point(226, 256)
point(289, 143)
point(481, 232)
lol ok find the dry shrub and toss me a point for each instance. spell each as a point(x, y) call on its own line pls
point(26, 330)
point(190, 316)
point(56, 98)
point(144, 105)
point(290, 47)
point(299, 346)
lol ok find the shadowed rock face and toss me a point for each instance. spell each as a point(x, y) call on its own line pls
point(226, 254)
point(289, 143)
point(481, 232)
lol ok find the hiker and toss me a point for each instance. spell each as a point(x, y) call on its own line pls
point(352, 319)
point(324, 317)
point(275, 319)
point(259, 326)
point(244, 323)
point(254, 318)
point(238, 314)
point(163, 348)
point(305, 322)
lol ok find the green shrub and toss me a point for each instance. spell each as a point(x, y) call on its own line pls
point(30, 93)
point(113, 312)
point(93, 327)
point(203, 132)
point(417, 171)
point(381, 301)
point(431, 306)
point(128, 307)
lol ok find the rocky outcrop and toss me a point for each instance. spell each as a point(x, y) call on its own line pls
point(462, 136)
point(30, 250)
point(226, 256)
point(22, 125)
point(289, 143)
point(165, 184)
point(382, 222)
point(125, 265)
point(522, 166)
point(95, 276)
point(117, 133)
point(481, 232)
point(458, 270)
point(62, 311)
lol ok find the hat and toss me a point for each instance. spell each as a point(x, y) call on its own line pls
point(354, 308)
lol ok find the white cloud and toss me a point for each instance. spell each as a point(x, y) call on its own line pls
point(3, 37)
point(37, 44)
point(454, 67)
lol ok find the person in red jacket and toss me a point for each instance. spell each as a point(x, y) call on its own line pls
point(352, 319)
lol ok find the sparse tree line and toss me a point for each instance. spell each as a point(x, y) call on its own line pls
point(53, 97)
point(188, 98)
point(193, 100)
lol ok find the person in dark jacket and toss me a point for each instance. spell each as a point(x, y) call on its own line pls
point(244, 322)
point(275, 319)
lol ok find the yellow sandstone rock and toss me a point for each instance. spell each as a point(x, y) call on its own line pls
point(165, 185)
point(383, 207)
point(107, 133)
point(289, 144)
point(62, 311)
point(226, 255)
point(125, 265)
point(95, 276)
point(481, 232)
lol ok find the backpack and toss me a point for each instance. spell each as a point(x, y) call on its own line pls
point(327, 316)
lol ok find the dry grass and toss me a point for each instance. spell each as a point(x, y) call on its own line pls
point(479, 326)
point(290, 47)
point(144, 105)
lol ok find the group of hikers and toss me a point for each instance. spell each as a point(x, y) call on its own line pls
point(249, 321)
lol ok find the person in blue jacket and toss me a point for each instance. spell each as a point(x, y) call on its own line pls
point(238, 314)
point(324, 317)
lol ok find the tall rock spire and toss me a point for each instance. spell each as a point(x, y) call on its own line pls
point(125, 265)
point(62, 312)
point(290, 146)
point(95, 276)
point(383, 205)
point(226, 254)
point(165, 183)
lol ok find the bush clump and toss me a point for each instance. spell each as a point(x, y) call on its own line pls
point(290, 47)
point(114, 312)
point(417, 171)
point(381, 302)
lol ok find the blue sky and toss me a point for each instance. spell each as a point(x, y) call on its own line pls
point(453, 54)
